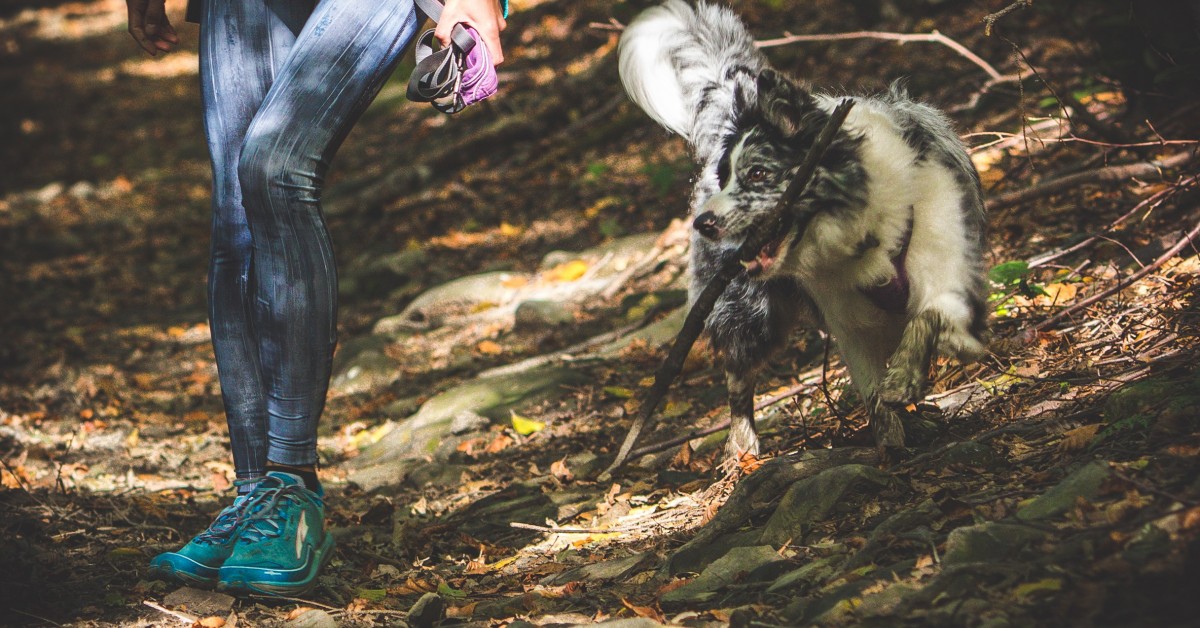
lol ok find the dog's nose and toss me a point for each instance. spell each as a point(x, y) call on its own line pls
point(706, 225)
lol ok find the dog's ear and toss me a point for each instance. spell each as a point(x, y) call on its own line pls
point(782, 102)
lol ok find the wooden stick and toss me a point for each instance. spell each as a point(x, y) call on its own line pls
point(760, 233)
point(931, 37)
point(1100, 175)
point(1123, 282)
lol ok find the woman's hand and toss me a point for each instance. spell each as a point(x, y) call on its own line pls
point(150, 27)
point(482, 15)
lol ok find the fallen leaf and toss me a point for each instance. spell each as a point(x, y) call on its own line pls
point(298, 611)
point(570, 271)
point(489, 347)
point(618, 392)
point(1078, 438)
point(525, 426)
point(498, 444)
point(212, 622)
point(648, 612)
point(461, 612)
point(559, 469)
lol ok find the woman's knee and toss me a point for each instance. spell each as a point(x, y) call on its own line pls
point(271, 167)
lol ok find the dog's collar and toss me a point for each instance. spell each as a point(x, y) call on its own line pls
point(893, 295)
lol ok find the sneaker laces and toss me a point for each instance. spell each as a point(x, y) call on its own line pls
point(266, 519)
point(227, 521)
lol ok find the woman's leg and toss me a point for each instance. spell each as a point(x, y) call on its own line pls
point(339, 61)
point(242, 46)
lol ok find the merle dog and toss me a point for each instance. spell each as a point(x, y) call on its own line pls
point(887, 254)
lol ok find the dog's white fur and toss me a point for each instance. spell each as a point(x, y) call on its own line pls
point(695, 71)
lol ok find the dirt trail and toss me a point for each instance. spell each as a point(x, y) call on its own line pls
point(1053, 484)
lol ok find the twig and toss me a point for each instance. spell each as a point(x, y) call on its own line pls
point(760, 232)
point(38, 617)
point(990, 20)
point(931, 37)
point(1123, 282)
point(183, 617)
point(1100, 175)
point(1150, 488)
point(1149, 202)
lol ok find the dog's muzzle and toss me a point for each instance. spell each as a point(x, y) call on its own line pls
point(706, 225)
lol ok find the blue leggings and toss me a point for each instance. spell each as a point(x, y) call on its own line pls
point(283, 82)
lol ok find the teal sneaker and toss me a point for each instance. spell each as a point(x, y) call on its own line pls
point(197, 562)
point(282, 544)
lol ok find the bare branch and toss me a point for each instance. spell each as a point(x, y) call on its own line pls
point(1100, 175)
point(990, 20)
point(1123, 282)
point(932, 37)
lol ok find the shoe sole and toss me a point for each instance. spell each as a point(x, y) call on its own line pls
point(285, 589)
point(168, 572)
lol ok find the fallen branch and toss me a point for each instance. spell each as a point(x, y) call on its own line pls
point(761, 232)
point(1100, 175)
point(1123, 282)
point(186, 618)
point(931, 37)
point(990, 20)
point(1150, 202)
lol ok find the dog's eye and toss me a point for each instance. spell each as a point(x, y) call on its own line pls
point(757, 174)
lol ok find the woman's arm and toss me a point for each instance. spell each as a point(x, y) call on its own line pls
point(484, 16)
point(150, 27)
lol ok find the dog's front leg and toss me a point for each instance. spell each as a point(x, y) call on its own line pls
point(908, 368)
point(743, 438)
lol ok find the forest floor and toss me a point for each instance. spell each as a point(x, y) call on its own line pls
point(1054, 483)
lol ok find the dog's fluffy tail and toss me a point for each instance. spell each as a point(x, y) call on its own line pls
point(687, 67)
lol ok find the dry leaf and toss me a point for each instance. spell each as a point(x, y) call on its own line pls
point(498, 444)
point(748, 462)
point(298, 611)
point(1078, 438)
point(570, 271)
point(559, 469)
point(489, 347)
point(683, 457)
point(649, 612)
point(212, 622)
point(461, 612)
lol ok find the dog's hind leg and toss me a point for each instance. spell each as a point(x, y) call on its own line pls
point(908, 368)
point(743, 437)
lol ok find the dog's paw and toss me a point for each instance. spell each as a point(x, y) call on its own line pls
point(901, 387)
point(740, 444)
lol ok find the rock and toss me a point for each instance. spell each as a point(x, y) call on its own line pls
point(814, 499)
point(538, 314)
point(427, 611)
point(1085, 482)
point(989, 542)
point(693, 558)
point(810, 575)
point(199, 602)
point(361, 366)
point(492, 397)
point(913, 523)
point(455, 299)
point(722, 572)
point(313, 618)
point(603, 571)
point(882, 604)
point(490, 518)
point(969, 454)
point(468, 421)
point(378, 275)
point(655, 334)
